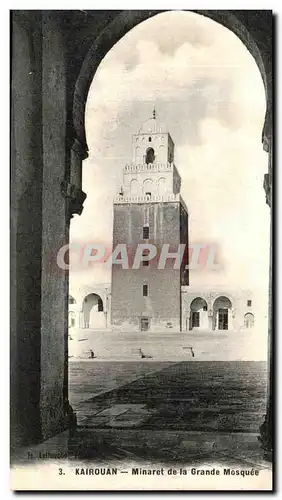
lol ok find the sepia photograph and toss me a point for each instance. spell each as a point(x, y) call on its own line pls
point(141, 249)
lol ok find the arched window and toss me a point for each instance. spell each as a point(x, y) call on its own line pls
point(249, 320)
point(150, 156)
point(147, 187)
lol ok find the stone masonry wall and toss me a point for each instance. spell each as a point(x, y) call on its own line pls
point(162, 305)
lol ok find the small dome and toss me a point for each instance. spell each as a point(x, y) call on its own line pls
point(153, 126)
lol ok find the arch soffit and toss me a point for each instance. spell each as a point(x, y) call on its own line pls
point(127, 20)
point(200, 298)
point(190, 298)
point(102, 292)
point(226, 296)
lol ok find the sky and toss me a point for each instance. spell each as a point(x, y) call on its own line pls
point(207, 89)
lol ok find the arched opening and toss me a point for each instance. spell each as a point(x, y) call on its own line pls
point(148, 187)
point(214, 101)
point(222, 320)
point(222, 314)
point(198, 314)
point(249, 320)
point(217, 131)
point(150, 156)
point(210, 132)
point(107, 34)
point(93, 312)
point(123, 24)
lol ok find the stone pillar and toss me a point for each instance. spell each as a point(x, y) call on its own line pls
point(234, 319)
point(80, 319)
point(26, 226)
point(210, 311)
point(61, 198)
point(215, 319)
point(189, 319)
point(210, 319)
point(108, 309)
point(55, 233)
point(40, 214)
point(266, 429)
point(230, 319)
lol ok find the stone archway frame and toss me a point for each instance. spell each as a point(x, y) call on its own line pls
point(102, 290)
point(86, 316)
point(227, 296)
point(204, 300)
point(114, 31)
point(120, 26)
point(187, 299)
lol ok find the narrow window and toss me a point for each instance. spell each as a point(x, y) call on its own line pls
point(150, 139)
point(205, 308)
point(146, 232)
point(249, 303)
point(144, 324)
point(145, 290)
point(150, 156)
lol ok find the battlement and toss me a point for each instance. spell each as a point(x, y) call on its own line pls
point(149, 167)
point(120, 199)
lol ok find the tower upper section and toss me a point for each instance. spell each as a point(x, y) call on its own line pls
point(152, 144)
point(151, 175)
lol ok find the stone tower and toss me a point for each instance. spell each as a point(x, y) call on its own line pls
point(149, 210)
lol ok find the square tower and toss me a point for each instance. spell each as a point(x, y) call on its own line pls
point(149, 210)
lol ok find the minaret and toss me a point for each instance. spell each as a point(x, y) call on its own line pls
point(149, 209)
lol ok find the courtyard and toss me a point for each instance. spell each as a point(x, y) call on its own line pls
point(207, 345)
point(169, 412)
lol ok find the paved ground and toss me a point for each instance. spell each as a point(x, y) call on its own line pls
point(148, 413)
point(179, 412)
point(89, 378)
point(198, 396)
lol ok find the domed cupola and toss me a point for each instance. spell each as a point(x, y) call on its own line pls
point(153, 126)
point(153, 143)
